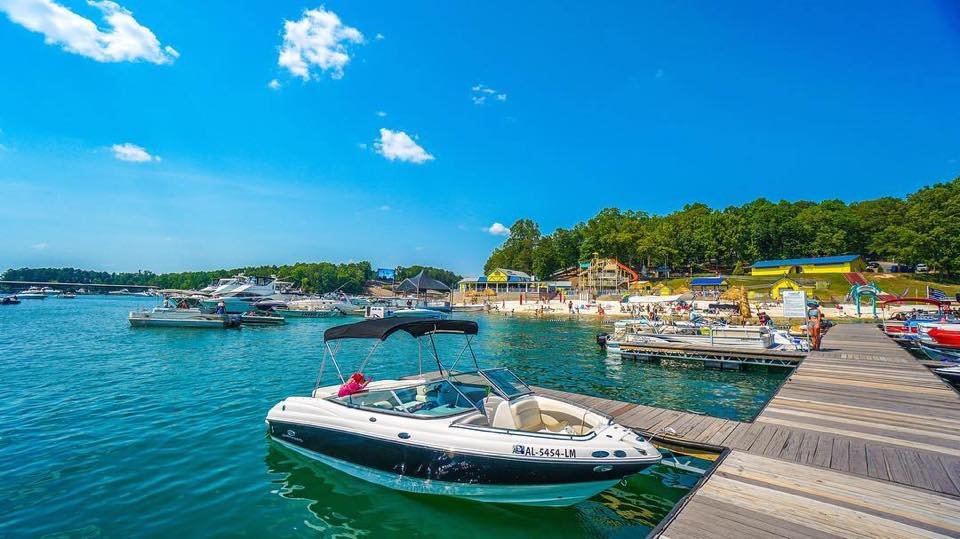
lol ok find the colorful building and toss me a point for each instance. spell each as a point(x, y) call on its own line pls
point(796, 266)
point(786, 283)
point(507, 280)
point(605, 276)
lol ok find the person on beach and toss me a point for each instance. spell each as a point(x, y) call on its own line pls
point(570, 306)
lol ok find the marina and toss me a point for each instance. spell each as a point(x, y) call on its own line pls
point(861, 419)
point(862, 439)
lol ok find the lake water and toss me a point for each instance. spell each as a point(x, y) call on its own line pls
point(107, 430)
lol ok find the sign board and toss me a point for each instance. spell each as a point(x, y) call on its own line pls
point(794, 303)
point(386, 274)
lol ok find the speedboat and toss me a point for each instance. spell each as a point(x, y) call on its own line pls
point(50, 291)
point(307, 313)
point(67, 295)
point(373, 312)
point(261, 318)
point(950, 373)
point(9, 300)
point(184, 318)
point(940, 353)
point(32, 293)
point(481, 434)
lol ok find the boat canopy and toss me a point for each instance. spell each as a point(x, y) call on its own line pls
point(384, 327)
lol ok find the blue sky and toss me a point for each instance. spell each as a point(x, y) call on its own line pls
point(149, 136)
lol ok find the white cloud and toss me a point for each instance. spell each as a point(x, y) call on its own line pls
point(480, 92)
point(397, 145)
point(133, 153)
point(274, 84)
point(381, 114)
point(318, 40)
point(379, 37)
point(497, 229)
point(123, 40)
point(39, 246)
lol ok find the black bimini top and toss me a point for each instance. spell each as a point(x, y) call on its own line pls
point(382, 328)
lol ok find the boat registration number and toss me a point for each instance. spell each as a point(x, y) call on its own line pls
point(550, 452)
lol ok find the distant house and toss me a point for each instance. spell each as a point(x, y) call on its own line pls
point(823, 264)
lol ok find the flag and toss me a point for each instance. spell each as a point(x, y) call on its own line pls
point(936, 293)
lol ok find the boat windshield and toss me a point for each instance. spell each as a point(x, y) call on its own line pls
point(506, 383)
point(438, 398)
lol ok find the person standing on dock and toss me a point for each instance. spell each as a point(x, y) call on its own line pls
point(814, 321)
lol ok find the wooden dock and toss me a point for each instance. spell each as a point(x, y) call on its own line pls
point(861, 441)
point(721, 356)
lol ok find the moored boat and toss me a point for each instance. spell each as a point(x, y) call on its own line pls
point(260, 318)
point(940, 353)
point(374, 312)
point(184, 318)
point(646, 332)
point(32, 293)
point(950, 373)
point(9, 300)
point(307, 313)
point(482, 434)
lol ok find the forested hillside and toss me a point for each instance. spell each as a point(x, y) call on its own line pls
point(923, 227)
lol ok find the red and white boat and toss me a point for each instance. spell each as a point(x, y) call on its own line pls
point(945, 334)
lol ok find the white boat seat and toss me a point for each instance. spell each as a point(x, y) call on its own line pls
point(525, 415)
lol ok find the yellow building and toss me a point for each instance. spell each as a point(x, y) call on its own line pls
point(796, 266)
point(786, 283)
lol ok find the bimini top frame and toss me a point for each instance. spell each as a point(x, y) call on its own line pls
point(382, 328)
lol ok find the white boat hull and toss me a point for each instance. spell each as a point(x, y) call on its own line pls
point(560, 495)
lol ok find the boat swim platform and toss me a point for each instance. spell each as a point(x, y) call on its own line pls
point(862, 440)
point(711, 355)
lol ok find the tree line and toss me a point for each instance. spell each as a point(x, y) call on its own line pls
point(923, 227)
point(311, 277)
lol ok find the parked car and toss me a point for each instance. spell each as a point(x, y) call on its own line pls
point(922, 268)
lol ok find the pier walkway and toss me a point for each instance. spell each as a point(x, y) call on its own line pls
point(862, 440)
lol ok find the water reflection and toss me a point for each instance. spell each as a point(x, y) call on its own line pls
point(342, 506)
